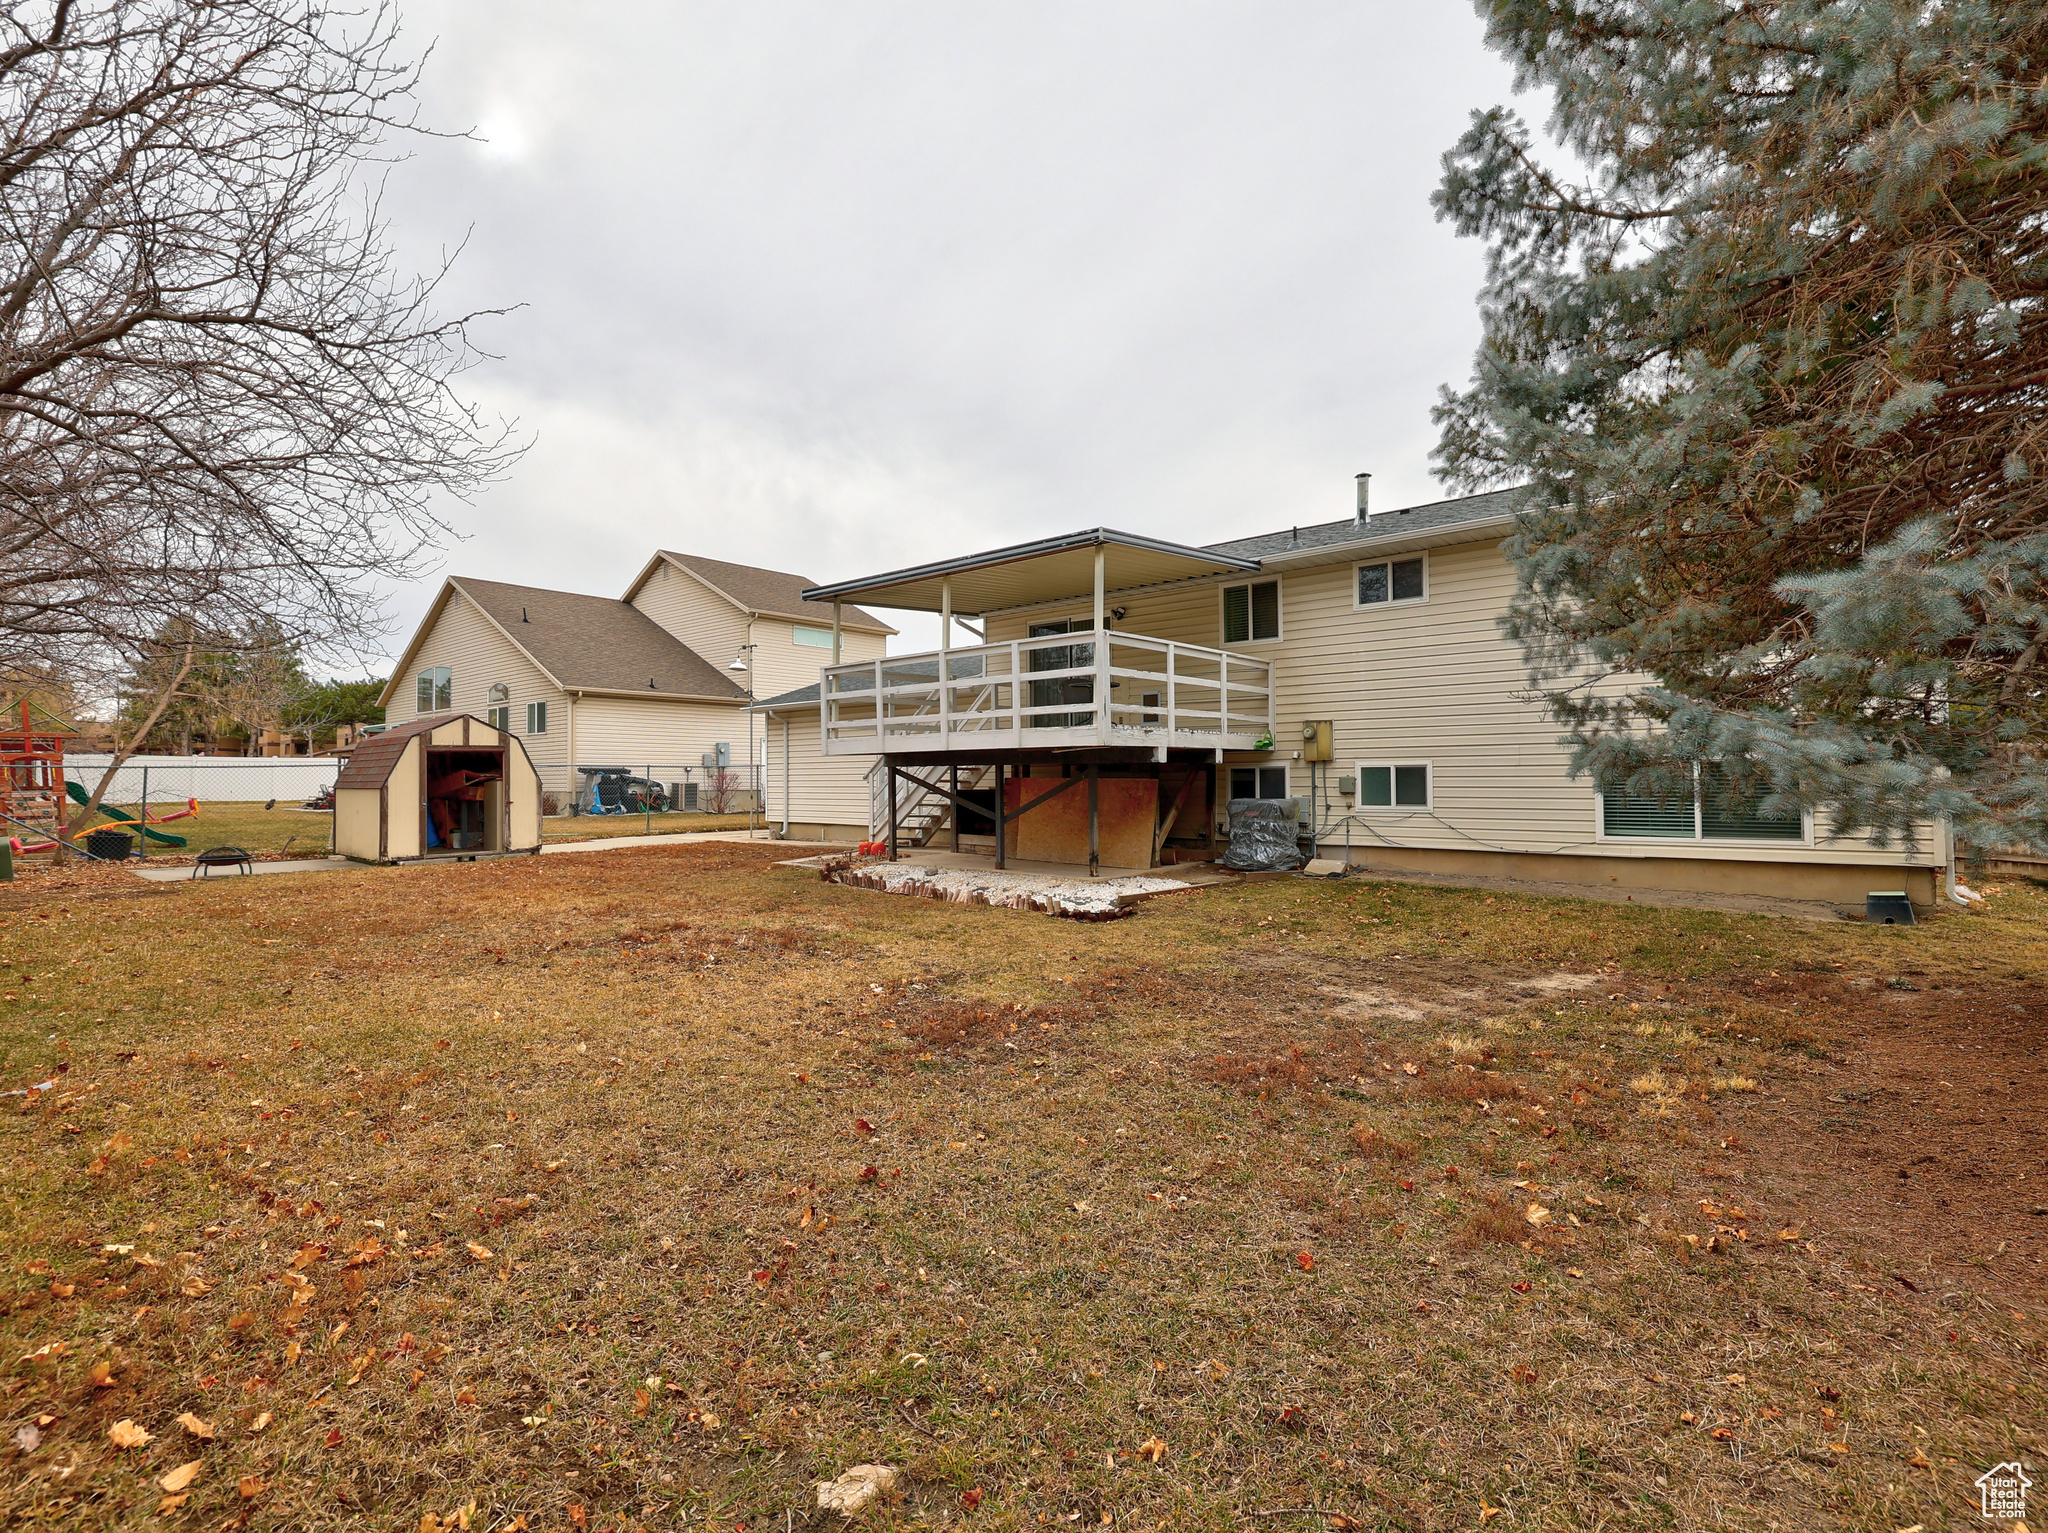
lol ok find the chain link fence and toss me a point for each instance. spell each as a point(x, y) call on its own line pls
point(613, 789)
point(210, 779)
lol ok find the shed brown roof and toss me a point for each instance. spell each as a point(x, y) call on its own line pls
point(599, 642)
point(759, 590)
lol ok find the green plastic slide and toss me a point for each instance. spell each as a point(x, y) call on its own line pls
point(165, 837)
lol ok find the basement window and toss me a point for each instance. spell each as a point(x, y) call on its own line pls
point(1391, 785)
point(1713, 811)
point(1258, 782)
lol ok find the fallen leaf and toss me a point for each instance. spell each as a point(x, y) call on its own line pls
point(1537, 1215)
point(1522, 1373)
point(177, 1479)
point(249, 1486)
point(334, 1437)
point(1411, 1069)
point(196, 1287)
point(641, 1401)
point(126, 1434)
point(170, 1504)
point(481, 1252)
point(1722, 1435)
point(863, 1125)
point(27, 1438)
point(101, 1375)
point(1522, 1287)
point(971, 1498)
point(1152, 1448)
point(63, 1290)
point(1305, 1260)
point(577, 1515)
point(195, 1426)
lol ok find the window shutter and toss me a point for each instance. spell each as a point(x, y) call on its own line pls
point(1622, 815)
point(1237, 614)
point(1266, 610)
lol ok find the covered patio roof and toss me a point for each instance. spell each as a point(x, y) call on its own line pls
point(1046, 570)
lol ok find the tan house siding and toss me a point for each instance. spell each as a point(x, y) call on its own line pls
point(710, 624)
point(1432, 681)
point(693, 612)
point(637, 733)
point(823, 797)
point(477, 654)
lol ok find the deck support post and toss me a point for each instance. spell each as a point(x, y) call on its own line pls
point(835, 633)
point(1094, 819)
point(1102, 683)
point(1001, 817)
point(945, 665)
point(955, 784)
point(892, 806)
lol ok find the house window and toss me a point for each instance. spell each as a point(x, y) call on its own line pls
point(499, 718)
point(1149, 701)
point(1713, 811)
point(1393, 580)
point(812, 638)
point(497, 706)
point(1251, 613)
point(1258, 782)
point(536, 718)
point(436, 692)
point(1393, 785)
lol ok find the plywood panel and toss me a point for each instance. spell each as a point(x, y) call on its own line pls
point(355, 821)
point(1057, 830)
point(404, 794)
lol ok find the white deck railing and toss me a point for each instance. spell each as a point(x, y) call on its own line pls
point(1061, 690)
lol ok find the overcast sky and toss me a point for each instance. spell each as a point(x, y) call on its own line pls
point(837, 287)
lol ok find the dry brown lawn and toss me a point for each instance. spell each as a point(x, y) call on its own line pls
point(643, 1189)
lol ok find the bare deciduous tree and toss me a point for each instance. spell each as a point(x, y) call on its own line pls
point(221, 404)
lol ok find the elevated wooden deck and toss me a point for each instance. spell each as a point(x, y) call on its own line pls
point(1064, 691)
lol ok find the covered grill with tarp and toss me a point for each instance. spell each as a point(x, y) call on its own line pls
point(449, 785)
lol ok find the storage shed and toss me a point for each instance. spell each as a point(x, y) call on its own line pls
point(448, 785)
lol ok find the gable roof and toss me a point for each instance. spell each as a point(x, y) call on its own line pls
point(582, 643)
point(598, 643)
point(770, 593)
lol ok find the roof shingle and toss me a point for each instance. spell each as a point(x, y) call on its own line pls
point(598, 642)
point(759, 590)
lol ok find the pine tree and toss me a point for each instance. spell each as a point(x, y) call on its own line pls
point(1774, 363)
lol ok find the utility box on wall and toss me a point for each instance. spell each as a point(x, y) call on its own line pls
point(1318, 740)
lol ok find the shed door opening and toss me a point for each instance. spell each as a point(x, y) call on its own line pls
point(465, 800)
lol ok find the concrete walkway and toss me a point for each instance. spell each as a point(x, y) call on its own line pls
point(337, 864)
point(686, 838)
point(209, 875)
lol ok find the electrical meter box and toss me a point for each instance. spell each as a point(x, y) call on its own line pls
point(1318, 741)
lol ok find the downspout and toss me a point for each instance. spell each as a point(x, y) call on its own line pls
point(569, 746)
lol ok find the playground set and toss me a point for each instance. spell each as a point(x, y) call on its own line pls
point(33, 790)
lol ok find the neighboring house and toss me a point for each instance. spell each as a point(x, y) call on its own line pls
point(646, 681)
point(1382, 628)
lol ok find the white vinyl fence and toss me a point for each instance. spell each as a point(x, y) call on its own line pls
point(210, 779)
